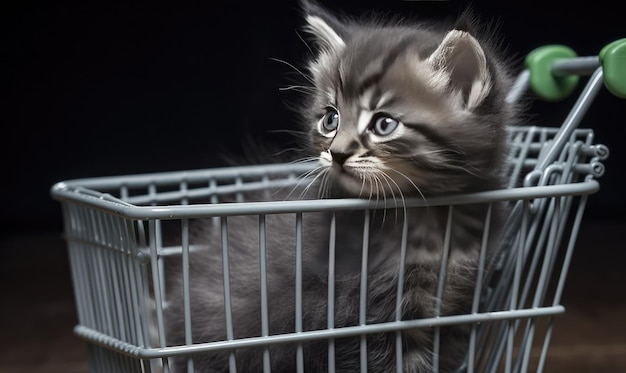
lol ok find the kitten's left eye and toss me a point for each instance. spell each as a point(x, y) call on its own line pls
point(384, 125)
point(329, 122)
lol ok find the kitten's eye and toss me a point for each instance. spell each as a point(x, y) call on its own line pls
point(329, 122)
point(384, 125)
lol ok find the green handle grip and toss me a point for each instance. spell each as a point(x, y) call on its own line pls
point(613, 60)
point(543, 82)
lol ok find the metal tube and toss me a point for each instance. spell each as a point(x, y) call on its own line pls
point(298, 300)
point(574, 117)
point(263, 280)
point(363, 290)
point(186, 288)
point(400, 290)
point(331, 291)
point(228, 312)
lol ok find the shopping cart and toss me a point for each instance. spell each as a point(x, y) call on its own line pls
point(115, 231)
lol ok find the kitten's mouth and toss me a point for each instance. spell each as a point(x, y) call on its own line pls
point(355, 179)
point(348, 179)
point(344, 171)
point(339, 172)
point(339, 169)
point(365, 183)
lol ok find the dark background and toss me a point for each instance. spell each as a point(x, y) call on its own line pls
point(108, 89)
point(97, 89)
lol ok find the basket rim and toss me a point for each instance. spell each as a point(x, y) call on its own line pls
point(74, 192)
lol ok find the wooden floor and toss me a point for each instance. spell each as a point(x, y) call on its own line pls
point(37, 312)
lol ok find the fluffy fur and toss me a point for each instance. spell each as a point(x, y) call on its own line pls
point(395, 111)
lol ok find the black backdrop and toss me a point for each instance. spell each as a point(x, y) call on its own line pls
point(96, 89)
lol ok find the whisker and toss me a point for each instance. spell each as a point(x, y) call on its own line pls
point(321, 174)
point(302, 177)
point(325, 185)
point(298, 88)
point(304, 42)
point(363, 185)
point(285, 151)
point(319, 171)
point(295, 68)
point(386, 178)
point(404, 209)
point(367, 182)
point(305, 160)
point(411, 182)
point(381, 192)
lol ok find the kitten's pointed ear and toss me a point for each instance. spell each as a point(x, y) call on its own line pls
point(326, 29)
point(461, 64)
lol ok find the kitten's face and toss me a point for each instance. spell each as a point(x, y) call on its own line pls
point(376, 133)
point(393, 112)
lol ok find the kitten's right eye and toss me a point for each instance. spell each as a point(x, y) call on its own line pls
point(329, 122)
point(384, 125)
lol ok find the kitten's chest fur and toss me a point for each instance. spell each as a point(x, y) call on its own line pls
point(392, 238)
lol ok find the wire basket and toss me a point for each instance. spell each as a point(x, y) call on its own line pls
point(119, 237)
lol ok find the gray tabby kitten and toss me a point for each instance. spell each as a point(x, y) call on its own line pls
point(395, 111)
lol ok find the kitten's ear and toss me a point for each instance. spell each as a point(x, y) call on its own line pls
point(461, 64)
point(327, 30)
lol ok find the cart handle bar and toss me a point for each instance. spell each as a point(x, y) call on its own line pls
point(555, 69)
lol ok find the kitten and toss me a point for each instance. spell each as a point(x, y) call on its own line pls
point(395, 110)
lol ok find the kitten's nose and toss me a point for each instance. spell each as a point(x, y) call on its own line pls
point(340, 157)
point(342, 147)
